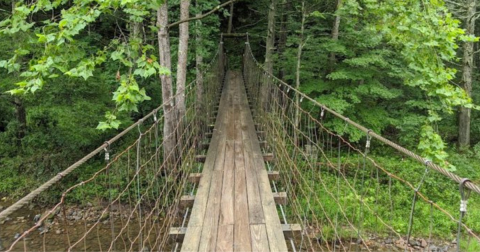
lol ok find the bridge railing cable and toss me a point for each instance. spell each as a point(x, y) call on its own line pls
point(345, 196)
point(129, 203)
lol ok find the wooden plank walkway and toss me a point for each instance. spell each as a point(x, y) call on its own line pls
point(234, 208)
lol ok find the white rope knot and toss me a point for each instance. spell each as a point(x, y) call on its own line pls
point(463, 206)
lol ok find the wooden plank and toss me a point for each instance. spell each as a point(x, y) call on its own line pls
point(242, 226)
point(227, 206)
point(208, 239)
point(194, 178)
point(193, 237)
point(225, 238)
point(291, 230)
point(280, 198)
point(255, 208)
point(273, 175)
point(273, 227)
point(187, 201)
point(259, 238)
point(204, 188)
point(200, 158)
point(268, 157)
point(177, 233)
point(195, 223)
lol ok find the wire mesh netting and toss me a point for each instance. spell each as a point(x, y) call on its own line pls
point(129, 203)
point(344, 195)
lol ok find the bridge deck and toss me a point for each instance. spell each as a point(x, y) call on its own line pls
point(234, 208)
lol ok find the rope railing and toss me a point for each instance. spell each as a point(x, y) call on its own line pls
point(345, 197)
point(129, 203)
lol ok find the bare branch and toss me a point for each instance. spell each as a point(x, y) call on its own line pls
point(203, 15)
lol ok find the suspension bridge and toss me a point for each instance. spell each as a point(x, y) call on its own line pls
point(255, 168)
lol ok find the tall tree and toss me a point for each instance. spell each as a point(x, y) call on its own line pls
point(270, 45)
point(282, 36)
point(182, 59)
point(167, 89)
point(335, 33)
point(467, 74)
point(297, 73)
point(230, 19)
point(198, 68)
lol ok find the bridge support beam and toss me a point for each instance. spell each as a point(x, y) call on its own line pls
point(273, 175)
point(200, 158)
point(194, 178)
point(268, 157)
point(187, 201)
point(291, 230)
point(177, 233)
point(280, 198)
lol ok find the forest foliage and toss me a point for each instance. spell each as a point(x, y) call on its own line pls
point(76, 72)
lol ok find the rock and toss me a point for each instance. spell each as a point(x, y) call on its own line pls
point(388, 241)
point(16, 236)
point(423, 243)
point(58, 231)
point(413, 243)
point(401, 243)
point(89, 204)
point(432, 248)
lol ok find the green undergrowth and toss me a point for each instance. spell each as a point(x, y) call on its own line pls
point(335, 204)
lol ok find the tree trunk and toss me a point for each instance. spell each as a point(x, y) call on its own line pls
point(297, 75)
point(335, 33)
point(464, 117)
point(182, 60)
point(282, 37)
point(230, 19)
point(167, 91)
point(199, 77)
point(269, 51)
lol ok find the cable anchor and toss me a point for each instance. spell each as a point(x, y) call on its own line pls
point(107, 151)
point(369, 138)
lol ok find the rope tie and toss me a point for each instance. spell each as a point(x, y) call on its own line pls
point(107, 151)
point(369, 138)
point(464, 194)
